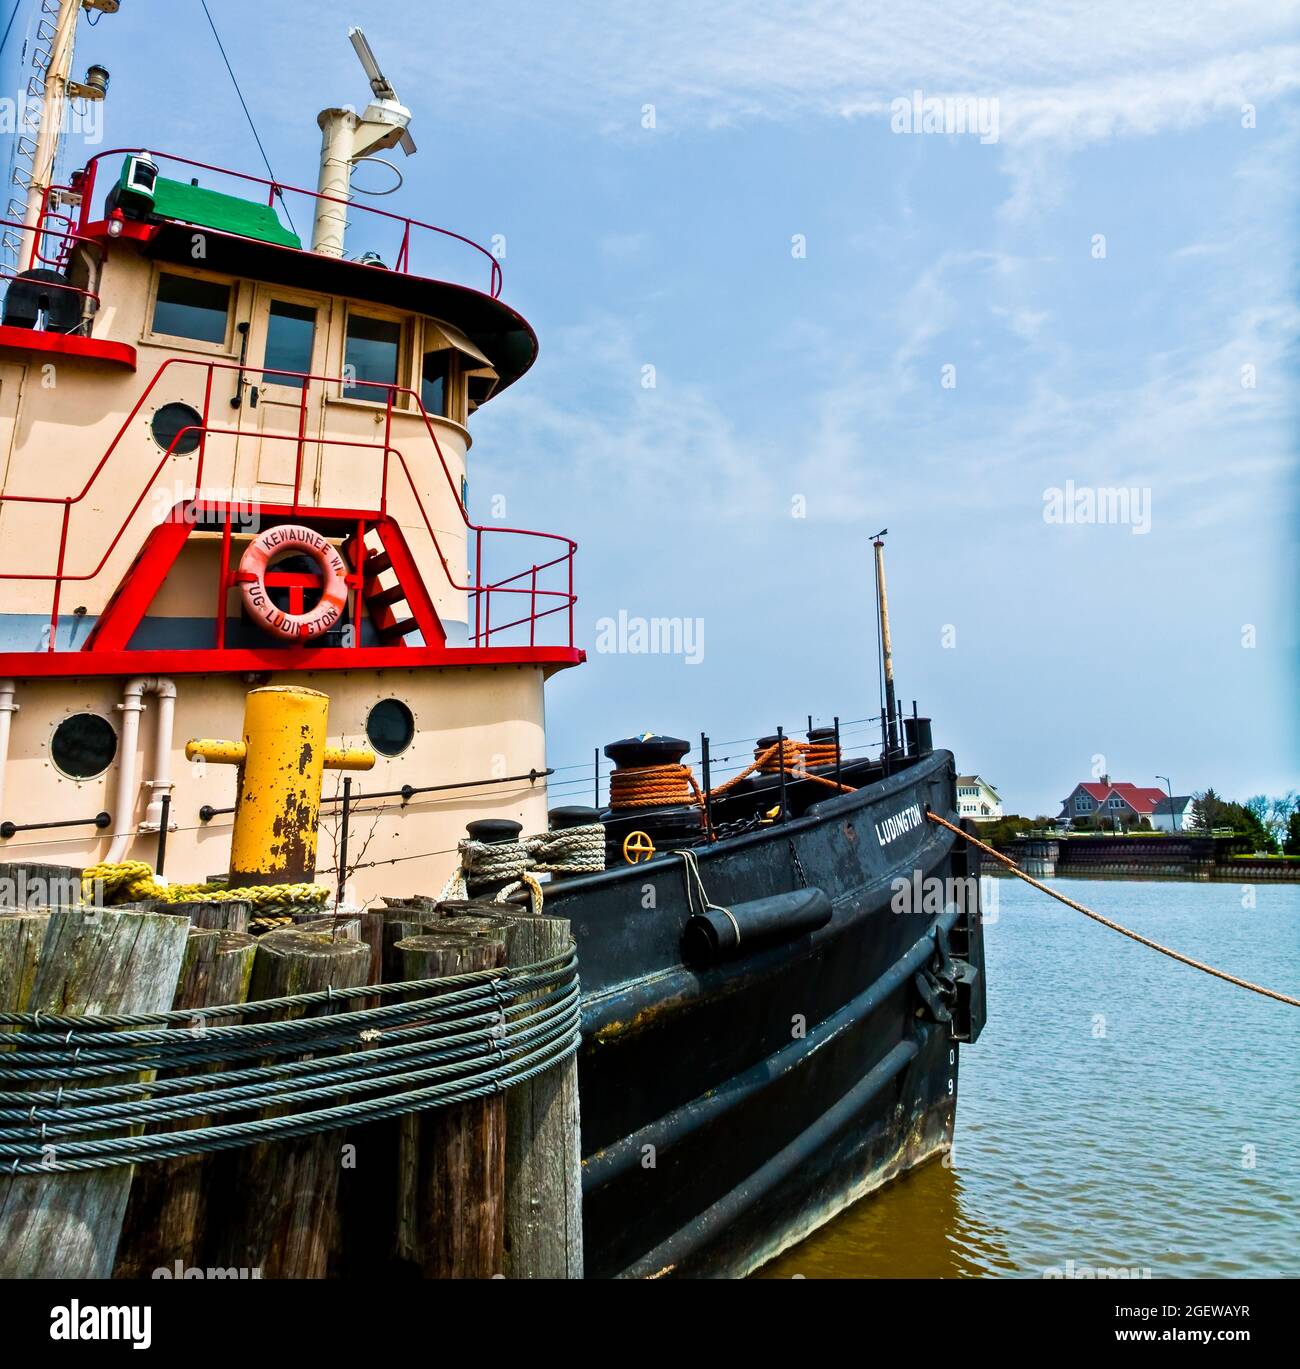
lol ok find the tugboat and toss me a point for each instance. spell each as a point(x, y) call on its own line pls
point(236, 459)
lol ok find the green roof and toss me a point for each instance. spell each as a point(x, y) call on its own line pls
point(224, 213)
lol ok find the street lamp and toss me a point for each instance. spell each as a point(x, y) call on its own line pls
point(1173, 824)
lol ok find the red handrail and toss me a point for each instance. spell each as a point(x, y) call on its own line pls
point(475, 586)
point(277, 190)
point(67, 237)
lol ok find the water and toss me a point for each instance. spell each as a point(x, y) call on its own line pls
point(1120, 1111)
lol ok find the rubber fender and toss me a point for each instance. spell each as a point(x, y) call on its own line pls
point(718, 934)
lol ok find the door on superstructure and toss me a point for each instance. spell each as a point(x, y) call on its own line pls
point(284, 396)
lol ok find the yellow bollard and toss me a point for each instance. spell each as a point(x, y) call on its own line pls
point(282, 762)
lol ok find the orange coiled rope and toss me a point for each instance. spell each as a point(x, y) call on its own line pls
point(820, 753)
point(653, 786)
point(797, 756)
point(659, 786)
point(787, 754)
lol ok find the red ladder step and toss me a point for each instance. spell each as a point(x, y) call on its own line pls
point(377, 597)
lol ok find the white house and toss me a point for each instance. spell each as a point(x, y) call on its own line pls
point(977, 798)
point(1172, 815)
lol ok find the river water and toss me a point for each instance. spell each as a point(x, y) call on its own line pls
point(1120, 1111)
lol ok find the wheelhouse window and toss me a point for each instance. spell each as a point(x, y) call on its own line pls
point(188, 307)
point(370, 357)
point(435, 381)
point(290, 342)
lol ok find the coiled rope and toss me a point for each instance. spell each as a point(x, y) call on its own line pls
point(133, 881)
point(657, 786)
point(1114, 926)
point(442, 1042)
point(571, 850)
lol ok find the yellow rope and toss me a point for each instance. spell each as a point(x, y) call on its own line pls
point(1114, 926)
point(133, 881)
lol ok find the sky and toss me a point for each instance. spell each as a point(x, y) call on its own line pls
point(775, 319)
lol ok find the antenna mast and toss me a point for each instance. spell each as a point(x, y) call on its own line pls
point(886, 650)
point(54, 89)
point(346, 138)
point(53, 100)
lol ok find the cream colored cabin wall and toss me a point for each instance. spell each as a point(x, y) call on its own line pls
point(470, 724)
point(12, 377)
point(72, 409)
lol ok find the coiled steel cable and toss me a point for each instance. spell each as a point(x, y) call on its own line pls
point(490, 1030)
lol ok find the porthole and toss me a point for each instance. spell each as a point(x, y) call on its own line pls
point(390, 727)
point(179, 424)
point(83, 746)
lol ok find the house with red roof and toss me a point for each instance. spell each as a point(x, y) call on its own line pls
point(1107, 803)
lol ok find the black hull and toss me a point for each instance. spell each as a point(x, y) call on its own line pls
point(728, 1111)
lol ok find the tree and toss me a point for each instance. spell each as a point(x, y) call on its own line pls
point(1291, 846)
point(1208, 811)
point(1244, 821)
point(1280, 813)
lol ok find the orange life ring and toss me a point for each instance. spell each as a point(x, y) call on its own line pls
point(251, 579)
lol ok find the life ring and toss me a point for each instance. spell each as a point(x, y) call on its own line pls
point(251, 579)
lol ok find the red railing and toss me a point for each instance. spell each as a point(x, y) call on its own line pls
point(476, 588)
point(399, 229)
point(65, 236)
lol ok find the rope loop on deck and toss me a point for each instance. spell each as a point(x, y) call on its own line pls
point(569, 851)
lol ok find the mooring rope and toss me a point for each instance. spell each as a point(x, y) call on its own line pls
point(571, 850)
point(467, 1036)
point(658, 786)
point(1114, 926)
point(133, 881)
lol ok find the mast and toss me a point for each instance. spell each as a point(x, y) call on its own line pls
point(56, 89)
point(347, 138)
point(54, 99)
point(886, 650)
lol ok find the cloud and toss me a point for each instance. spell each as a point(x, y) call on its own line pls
point(1075, 69)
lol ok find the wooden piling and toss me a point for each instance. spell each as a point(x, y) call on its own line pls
point(368, 1201)
point(34, 885)
point(342, 927)
point(282, 1195)
point(166, 1217)
point(370, 928)
point(22, 933)
point(400, 923)
point(451, 1172)
point(225, 915)
point(543, 1235)
point(90, 961)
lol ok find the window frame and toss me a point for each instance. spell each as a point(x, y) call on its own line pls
point(319, 305)
point(177, 342)
point(432, 338)
point(345, 394)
